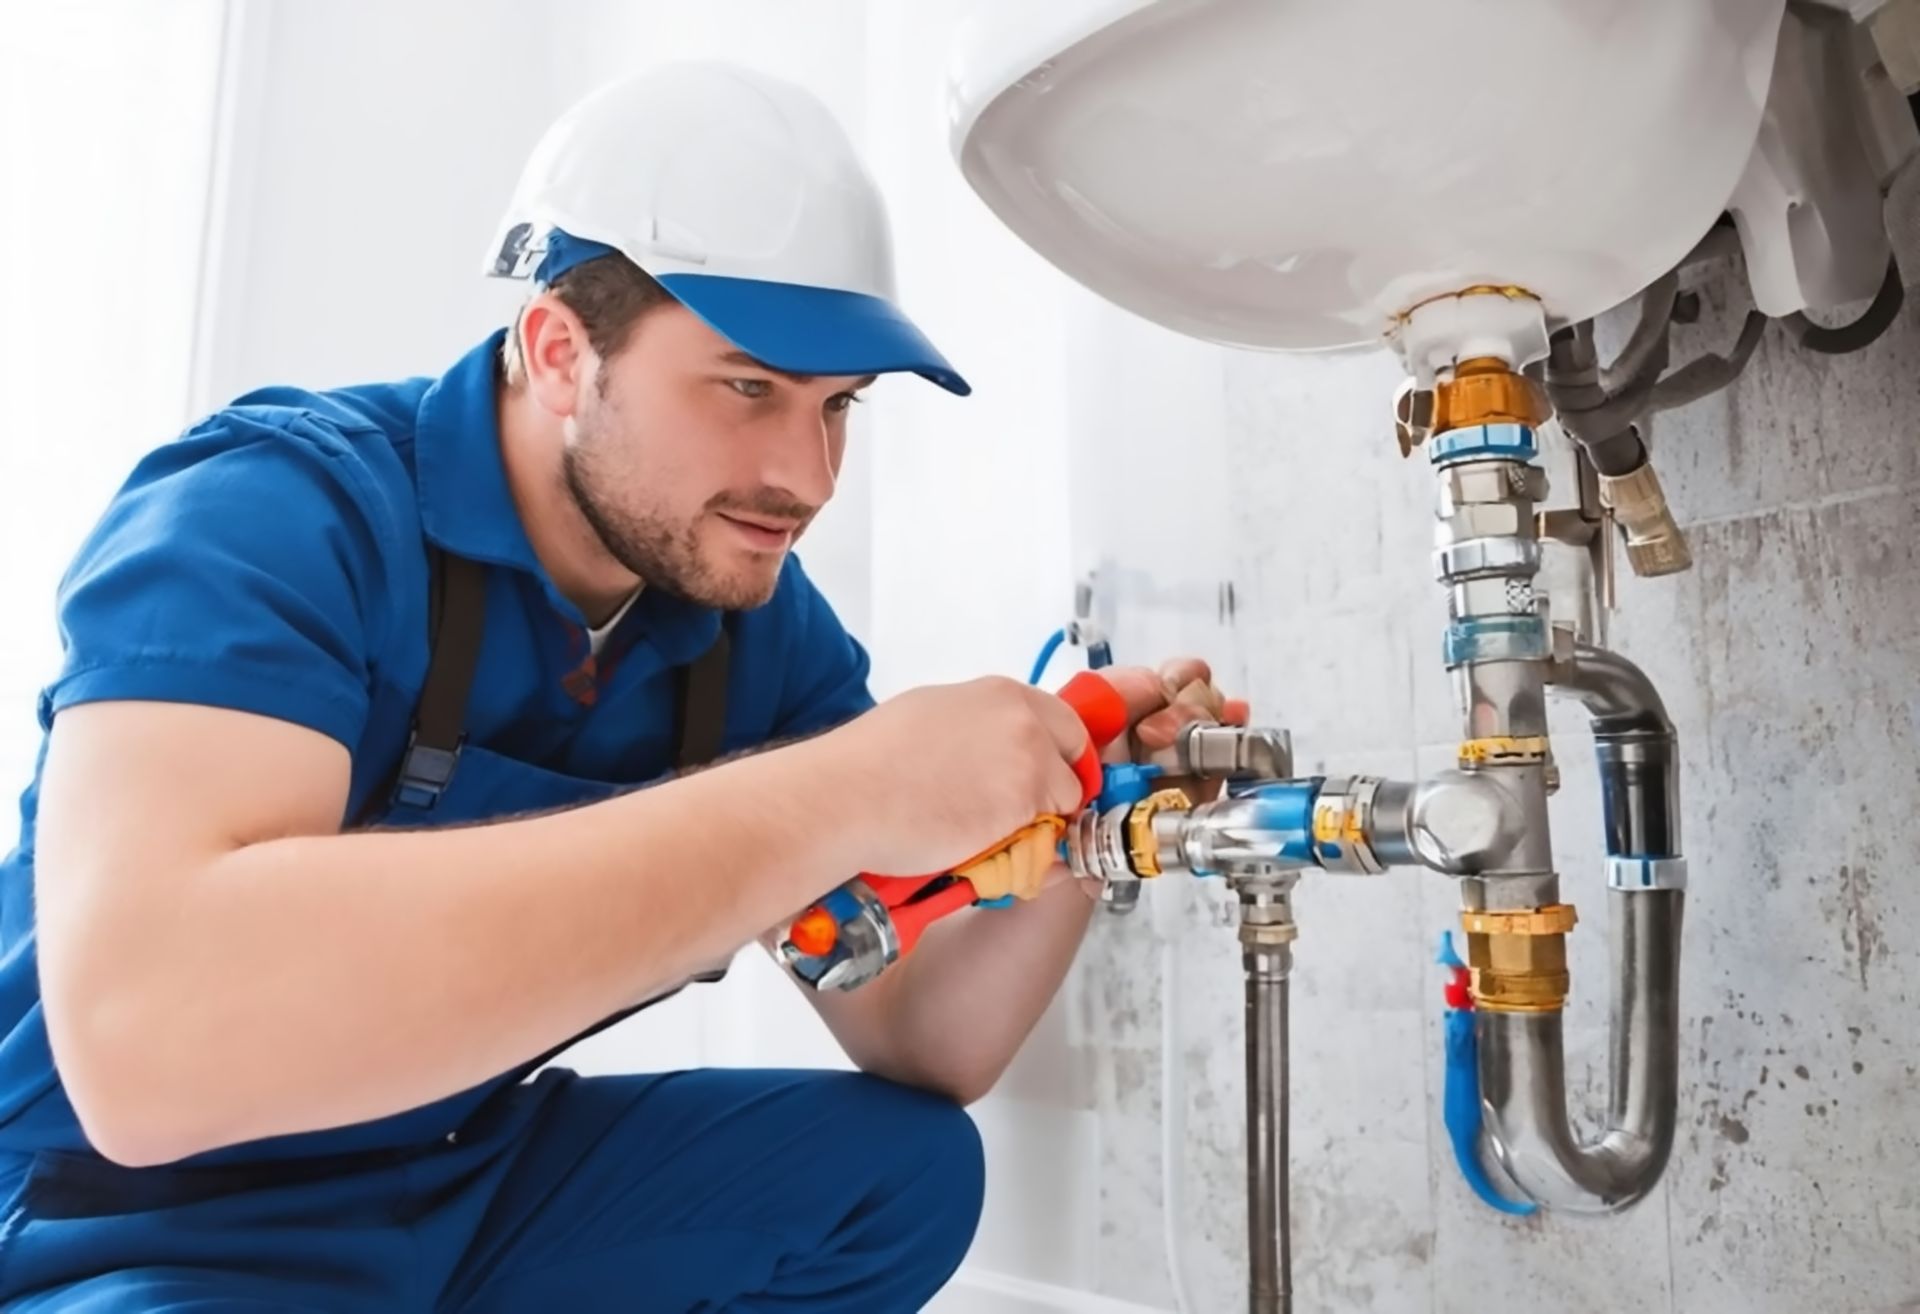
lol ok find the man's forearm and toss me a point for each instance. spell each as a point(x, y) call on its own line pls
point(965, 1000)
point(302, 983)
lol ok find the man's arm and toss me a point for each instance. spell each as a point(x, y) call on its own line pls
point(218, 965)
point(951, 1016)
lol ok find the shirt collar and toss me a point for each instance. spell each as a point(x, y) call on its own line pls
point(467, 508)
point(465, 504)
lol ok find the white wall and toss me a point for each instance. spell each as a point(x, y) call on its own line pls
point(106, 119)
point(374, 148)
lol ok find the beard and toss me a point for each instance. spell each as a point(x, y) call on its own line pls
point(662, 550)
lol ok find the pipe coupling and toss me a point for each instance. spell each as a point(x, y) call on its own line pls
point(1096, 847)
point(1343, 826)
point(1143, 838)
point(1231, 752)
point(1268, 935)
point(1486, 390)
point(1504, 751)
point(1655, 543)
point(1519, 958)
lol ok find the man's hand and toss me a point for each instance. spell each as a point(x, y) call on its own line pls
point(951, 770)
point(1159, 703)
point(950, 1016)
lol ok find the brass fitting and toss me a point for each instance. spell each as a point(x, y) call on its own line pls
point(1504, 750)
point(1519, 958)
point(1143, 846)
point(1484, 390)
point(1655, 543)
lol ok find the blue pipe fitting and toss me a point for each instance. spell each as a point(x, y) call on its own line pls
point(1496, 639)
point(1122, 783)
point(1285, 808)
point(1483, 442)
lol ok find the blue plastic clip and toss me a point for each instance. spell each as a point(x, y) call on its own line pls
point(1461, 1103)
point(1125, 782)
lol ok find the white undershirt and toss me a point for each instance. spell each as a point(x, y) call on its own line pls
point(597, 637)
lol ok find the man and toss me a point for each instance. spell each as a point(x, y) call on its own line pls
point(336, 836)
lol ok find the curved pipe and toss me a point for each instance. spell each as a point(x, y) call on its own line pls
point(1523, 1074)
point(1617, 694)
point(1522, 1062)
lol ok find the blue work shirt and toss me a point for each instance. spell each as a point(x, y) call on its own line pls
point(273, 560)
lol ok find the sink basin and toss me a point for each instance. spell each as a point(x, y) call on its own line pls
point(1297, 174)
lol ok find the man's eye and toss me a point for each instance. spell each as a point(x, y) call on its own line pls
point(755, 388)
point(840, 403)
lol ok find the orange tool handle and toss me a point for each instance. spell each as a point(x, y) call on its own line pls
point(909, 920)
point(1104, 713)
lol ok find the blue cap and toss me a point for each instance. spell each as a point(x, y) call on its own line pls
point(788, 326)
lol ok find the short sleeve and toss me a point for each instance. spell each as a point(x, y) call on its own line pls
point(826, 677)
point(239, 567)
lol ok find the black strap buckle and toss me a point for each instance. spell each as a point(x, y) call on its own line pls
point(424, 773)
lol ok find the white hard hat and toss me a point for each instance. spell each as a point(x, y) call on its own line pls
point(739, 194)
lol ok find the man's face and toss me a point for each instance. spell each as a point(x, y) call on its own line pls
point(697, 466)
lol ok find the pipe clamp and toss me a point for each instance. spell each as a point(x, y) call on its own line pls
point(1636, 874)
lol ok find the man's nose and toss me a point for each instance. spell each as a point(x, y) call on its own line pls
point(804, 459)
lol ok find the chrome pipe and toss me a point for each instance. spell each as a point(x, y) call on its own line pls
point(1455, 822)
point(1523, 1076)
point(1616, 693)
point(1637, 750)
point(1266, 934)
point(1522, 1064)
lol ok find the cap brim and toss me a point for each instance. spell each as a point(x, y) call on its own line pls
point(813, 330)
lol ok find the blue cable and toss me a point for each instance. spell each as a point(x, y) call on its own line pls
point(1460, 1105)
point(1045, 659)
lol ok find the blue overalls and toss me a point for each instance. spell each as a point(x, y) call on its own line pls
point(270, 561)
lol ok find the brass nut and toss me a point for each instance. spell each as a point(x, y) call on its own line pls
point(1337, 821)
point(1520, 992)
point(1143, 847)
point(1519, 958)
point(1486, 391)
point(1504, 750)
point(1554, 919)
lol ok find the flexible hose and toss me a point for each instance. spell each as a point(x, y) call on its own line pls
point(1875, 320)
point(1045, 659)
point(1173, 1125)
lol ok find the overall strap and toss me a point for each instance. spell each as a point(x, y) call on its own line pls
point(700, 709)
point(456, 620)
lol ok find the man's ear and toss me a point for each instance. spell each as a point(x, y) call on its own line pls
point(556, 354)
